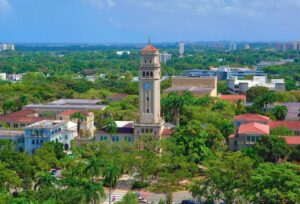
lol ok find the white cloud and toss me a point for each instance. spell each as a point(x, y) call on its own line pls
point(5, 6)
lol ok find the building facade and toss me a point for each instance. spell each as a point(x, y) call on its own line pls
point(45, 131)
point(164, 57)
point(236, 86)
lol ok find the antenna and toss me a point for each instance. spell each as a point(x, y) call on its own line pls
point(149, 40)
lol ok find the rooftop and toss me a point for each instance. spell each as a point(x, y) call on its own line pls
point(292, 140)
point(191, 89)
point(76, 101)
point(233, 97)
point(46, 124)
point(292, 125)
point(254, 128)
point(251, 117)
point(70, 112)
point(149, 48)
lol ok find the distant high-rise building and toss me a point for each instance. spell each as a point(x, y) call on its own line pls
point(232, 46)
point(296, 45)
point(164, 57)
point(5, 46)
point(181, 48)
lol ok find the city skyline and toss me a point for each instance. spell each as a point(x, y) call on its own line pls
point(130, 21)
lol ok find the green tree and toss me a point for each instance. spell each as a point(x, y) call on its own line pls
point(8, 178)
point(129, 198)
point(79, 117)
point(111, 175)
point(172, 105)
point(9, 106)
point(44, 180)
point(280, 112)
point(272, 148)
point(281, 131)
point(219, 106)
point(255, 92)
point(226, 178)
point(275, 184)
point(91, 191)
point(110, 127)
point(93, 167)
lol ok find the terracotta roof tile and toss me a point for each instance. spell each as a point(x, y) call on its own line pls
point(292, 140)
point(232, 98)
point(167, 132)
point(70, 112)
point(292, 125)
point(251, 117)
point(254, 128)
point(149, 48)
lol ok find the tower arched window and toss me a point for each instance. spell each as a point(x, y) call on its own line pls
point(150, 61)
point(147, 74)
point(145, 61)
point(151, 74)
point(143, 74)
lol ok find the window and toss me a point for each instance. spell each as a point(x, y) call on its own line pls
point(143, 131)
point(37, 141)
point(102, 138)
point(150, 61)
point(147, 98)
point(42, 141)
point(33, 141)
point(145, 61)
point(147, 74)
point(128, 138)
point(143, 74)
point(253, 139)
point(235, 142)
point(151, 74)
point(115, 138)
point(148, 110)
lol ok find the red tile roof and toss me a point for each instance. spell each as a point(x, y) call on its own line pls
point(167, 132)
point(149, 48)
point(292, 125)
point(22, 113)
point(292, 140)
point(254, 128)
point(27, 120)
point(233, 98)
point(251, 117)
point(70, 112)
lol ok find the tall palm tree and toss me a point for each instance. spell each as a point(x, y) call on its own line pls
point(79, 117)
point(299, 113)
point(93, 167)
point(110, 127)
point(44, 180)
point(280, 112)
point(111, 175)
point(91, 191)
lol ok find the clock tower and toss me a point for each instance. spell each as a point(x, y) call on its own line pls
point(150, 120)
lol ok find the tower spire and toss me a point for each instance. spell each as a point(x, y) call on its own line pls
point(149, 40)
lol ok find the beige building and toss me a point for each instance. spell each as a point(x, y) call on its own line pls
point(198, 86)
point(87, 126)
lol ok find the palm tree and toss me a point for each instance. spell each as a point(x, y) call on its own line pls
point(111, 175)
point(79, 117)
point(92, 192)
point(44, 180)
point(280, 112)
point(299, 113)
point(129, 198)
point(239, 104)
point(93, 167)
point(110, 127)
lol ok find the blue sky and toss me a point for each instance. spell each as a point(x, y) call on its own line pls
point(108, 21)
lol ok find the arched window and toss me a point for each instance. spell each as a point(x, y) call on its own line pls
point(150, 61)
point(145, 61)
point(143, 74)
point(147, 74)
point(151, 74)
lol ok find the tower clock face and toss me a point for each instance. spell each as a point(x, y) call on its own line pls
point(147, 86)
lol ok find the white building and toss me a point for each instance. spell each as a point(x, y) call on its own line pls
point(181, 49)
point(122, 52)
point(14, 77)
point(164, 57)
point(5, 46)
point(232, 46)
point(296, 45)
point(236, 86)
point(2, 76)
